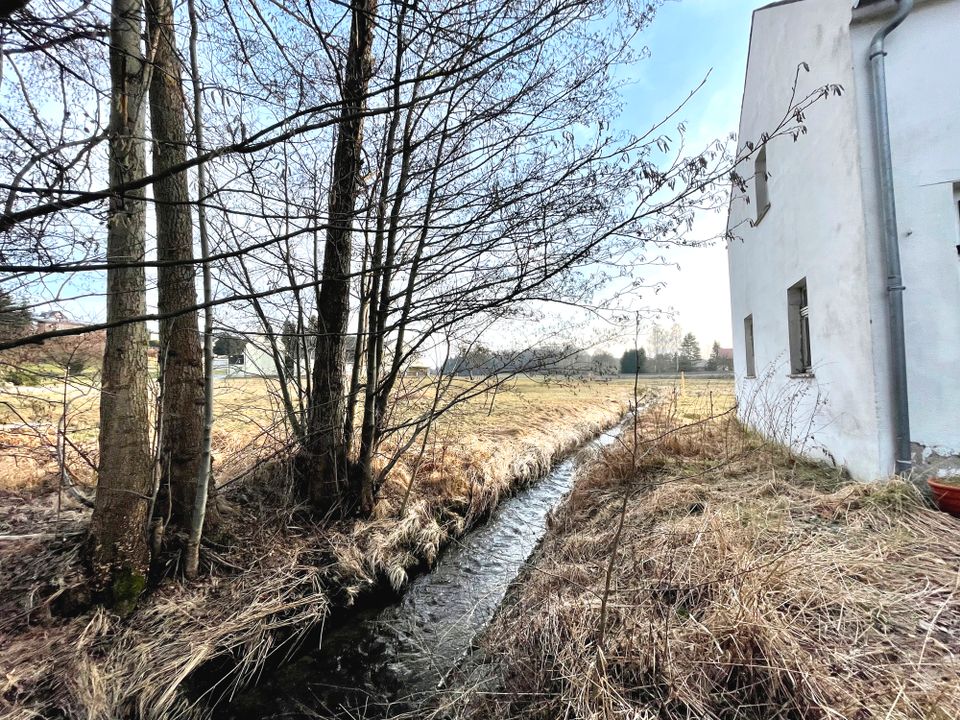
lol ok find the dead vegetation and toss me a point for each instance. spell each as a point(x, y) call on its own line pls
point(746, 584)
point(277, 575)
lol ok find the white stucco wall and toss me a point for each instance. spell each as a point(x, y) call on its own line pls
point(814, 229)
point(923, 92)
point(258, 362)
point(824, 225)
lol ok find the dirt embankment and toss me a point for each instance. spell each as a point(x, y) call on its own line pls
point(744, 584)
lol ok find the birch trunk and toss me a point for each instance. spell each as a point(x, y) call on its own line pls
point(204, 470)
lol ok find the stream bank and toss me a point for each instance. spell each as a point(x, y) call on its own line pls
point(384, 660)
point(709, 573)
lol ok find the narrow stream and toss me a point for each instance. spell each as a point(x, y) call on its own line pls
point(389, 660)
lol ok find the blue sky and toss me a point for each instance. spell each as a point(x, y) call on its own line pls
point(688, 39)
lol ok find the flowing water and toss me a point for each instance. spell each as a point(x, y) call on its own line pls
point(383, 661)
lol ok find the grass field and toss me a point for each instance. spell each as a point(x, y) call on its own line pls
point(281, 570)
point(249, 421)
point(703, 572)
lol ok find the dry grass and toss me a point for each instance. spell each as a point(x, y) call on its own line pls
point(249, 422)
point(247, 426)
point(280, 574)
point(746, 585)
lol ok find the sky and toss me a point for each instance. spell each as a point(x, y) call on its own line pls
point(687, 40)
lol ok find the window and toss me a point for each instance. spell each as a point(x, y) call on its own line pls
point(760, 183)
point(956, 201)
point(798, 323)
point(748, 345)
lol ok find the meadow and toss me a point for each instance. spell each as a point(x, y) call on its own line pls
point(249, 422)
point(275, 571)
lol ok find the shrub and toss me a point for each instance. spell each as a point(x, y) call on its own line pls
point(18, 376)
point(76, 366)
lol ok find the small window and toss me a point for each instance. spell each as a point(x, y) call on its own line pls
point(760, 183)
point(956, 201)
point(799, 328)
point(748, 345)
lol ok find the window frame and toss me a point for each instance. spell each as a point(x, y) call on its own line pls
point(956, 216)
point(761, 188)
point(798, 328)
point(749, 347)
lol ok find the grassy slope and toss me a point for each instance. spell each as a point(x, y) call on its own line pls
point(745, 585)
point(282, 572)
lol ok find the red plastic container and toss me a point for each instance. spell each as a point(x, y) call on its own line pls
point(947, 496)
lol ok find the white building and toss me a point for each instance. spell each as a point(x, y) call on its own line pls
point(815, 355)
point(55, 320)
point(256, 361)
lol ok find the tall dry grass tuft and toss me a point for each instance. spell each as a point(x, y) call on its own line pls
point(746, 585)
point(96, 666)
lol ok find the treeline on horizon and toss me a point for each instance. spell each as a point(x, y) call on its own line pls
point(569, 360)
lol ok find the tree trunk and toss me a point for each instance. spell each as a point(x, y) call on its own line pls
point(358, 353)
point(380, 278)
point(119, 550)
point(181, 371)
point(324, 463)
point(204, 470)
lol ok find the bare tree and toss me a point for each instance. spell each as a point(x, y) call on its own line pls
point(204, 469)
point(324, 462)
point(478, 222)
point(181, 359)
point(119, 550)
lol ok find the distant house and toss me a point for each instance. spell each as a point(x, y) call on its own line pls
point(417, 371)
point(812, 281)
point(255, 361)
point(721, 359)
point(53, 321)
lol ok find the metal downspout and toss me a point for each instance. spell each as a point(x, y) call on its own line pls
point(891, 244)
